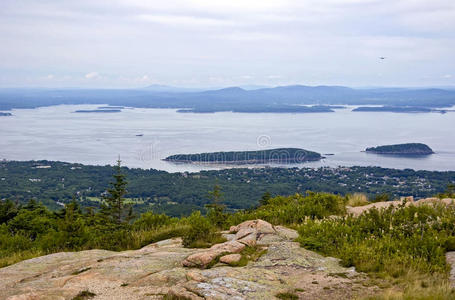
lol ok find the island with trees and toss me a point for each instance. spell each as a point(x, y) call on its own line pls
point(4, 114)
point(395, 109)
point(279, 155)
point(402, 149)
point(97, 111)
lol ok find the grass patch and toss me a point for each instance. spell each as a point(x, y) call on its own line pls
point(8, 259)
point(339, 275)
point(424, 288)
point(287, 296)
point(84, 295)
point(249, 254)
point(357, 199)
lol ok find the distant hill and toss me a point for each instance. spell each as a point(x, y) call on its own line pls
point(277, 99)
point(402, 149)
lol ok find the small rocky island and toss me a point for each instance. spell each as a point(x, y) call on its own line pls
point(402, 149)
point(279, 155)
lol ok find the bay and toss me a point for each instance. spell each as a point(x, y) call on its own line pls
point(143, 137)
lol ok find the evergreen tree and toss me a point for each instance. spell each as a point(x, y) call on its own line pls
point(265, 198)
point(72, 225)
point(114, 200)
point(215, 210)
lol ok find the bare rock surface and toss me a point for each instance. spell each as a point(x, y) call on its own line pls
point(358, 210)
point(166, 268)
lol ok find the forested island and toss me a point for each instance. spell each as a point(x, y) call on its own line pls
point(3, 114)
point(402, 149)
point(98, 111)
point(279, 155)
point(56, 183)
point(263, 109)
point(111, 107)
point(397, 109)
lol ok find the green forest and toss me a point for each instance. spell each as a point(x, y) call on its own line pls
point(176, 194)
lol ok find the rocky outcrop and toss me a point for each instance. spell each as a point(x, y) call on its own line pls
point(162, 269)
point(248, 233)
point(358, 210)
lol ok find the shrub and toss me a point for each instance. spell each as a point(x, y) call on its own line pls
point(201, 233)
point(150, 221)
point(294, 209)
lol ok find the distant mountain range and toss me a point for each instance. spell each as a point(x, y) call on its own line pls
point(282, 98)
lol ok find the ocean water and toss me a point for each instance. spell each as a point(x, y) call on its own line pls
point(57, 133)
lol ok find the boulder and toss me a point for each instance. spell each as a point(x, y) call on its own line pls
point(230, 259)
point(228, 247)
point(286, 233)
point(249, 240)
point(205, 258)
point(243, 232)
point(264, 227)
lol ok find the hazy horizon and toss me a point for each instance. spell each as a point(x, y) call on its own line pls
point(207, 88)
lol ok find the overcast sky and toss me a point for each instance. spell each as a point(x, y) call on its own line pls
point(207, 43)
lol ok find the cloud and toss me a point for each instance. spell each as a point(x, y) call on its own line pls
point(92, 75)
point(447, 76)
point(199, 42)
point(179, 20)
point(274, 76)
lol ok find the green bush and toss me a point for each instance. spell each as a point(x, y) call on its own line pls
point(294, 209)
point(150, 220)
point(201, 233)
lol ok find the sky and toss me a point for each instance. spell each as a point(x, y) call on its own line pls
point(219, 43)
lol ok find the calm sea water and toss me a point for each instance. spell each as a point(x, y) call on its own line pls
point(56, 133)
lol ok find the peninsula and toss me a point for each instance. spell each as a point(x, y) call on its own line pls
point(402, 149)
point(279, 155)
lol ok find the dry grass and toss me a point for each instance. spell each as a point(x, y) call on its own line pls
point(20, 256)
point(418, 286)
point(357, 199)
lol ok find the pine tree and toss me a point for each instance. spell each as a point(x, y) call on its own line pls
point(215, 210)
point(115, 202)
point(265, 198)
